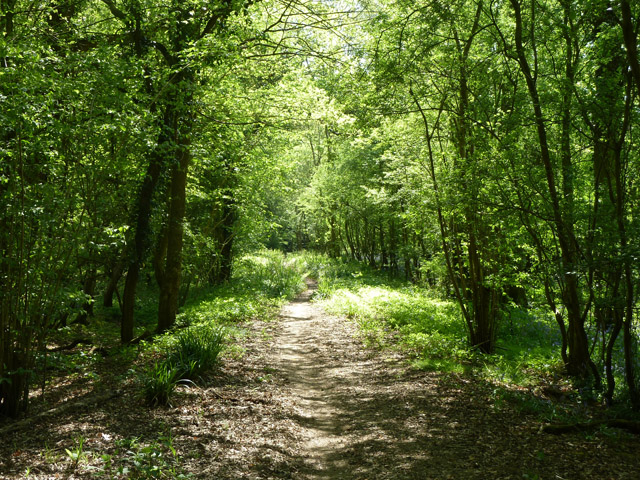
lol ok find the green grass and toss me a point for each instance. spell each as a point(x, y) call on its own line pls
point(194, 352)
point(395, 314)
point(197, 349)
point(262, 282)
point(137, 459)
point(160, 382)
point(269, 273)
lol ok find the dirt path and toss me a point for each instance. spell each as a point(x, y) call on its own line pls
point(364, 415)
point(301, 398)
point(305, 357)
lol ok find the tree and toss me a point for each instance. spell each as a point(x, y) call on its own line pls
point(172, 30)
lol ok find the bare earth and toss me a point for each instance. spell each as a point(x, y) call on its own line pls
point(307, 401)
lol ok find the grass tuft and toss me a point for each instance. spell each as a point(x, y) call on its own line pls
point(160, 383)
point(195, 351)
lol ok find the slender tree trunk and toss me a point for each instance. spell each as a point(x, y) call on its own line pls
point(442, 223)
point(383, 248)
point(630, 41)
point(621, 220)
point(579, 360)
point(170, 286)
point(88, 288)
point(559, 320)
point(142, 223)
point(621, 216)
point(333, 237)
point(160, 254)
point(114, 278)
point(393, 248)
point(357, 234)
point(349, 236)
point(226, 251)
point(483, 307)
point(611, 382)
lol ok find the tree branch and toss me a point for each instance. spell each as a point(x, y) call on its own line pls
point(115, 11)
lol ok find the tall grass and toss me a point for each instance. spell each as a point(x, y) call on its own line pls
point(269, 273)
point(195, 351)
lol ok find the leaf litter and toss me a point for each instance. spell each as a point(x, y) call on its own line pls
point(306, 401)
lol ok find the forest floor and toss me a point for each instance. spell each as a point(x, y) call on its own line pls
point(302, 399)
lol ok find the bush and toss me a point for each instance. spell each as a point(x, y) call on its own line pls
point(196, 350)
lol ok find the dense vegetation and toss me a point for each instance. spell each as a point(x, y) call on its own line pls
point(487, 152)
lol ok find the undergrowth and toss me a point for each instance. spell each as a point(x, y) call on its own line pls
point(262, 282)
point(206, 330)
point(392, 313)
point(194, 352)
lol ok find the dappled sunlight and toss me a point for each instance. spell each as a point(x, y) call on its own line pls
point(319, 239)
point(366, 415)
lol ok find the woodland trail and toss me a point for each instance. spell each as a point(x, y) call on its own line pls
point(343, 396)
point(302, 398)
point(363, 414)
point(304, 359)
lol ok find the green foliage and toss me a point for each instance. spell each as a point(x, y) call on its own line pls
point(77, 452)
point(271, 274)
point(415, 156)
point(160, 382)
point(420, 321)
point(67, 363)
point(424, 321)
point(195, 351)
point(136, 459)
point(261, 283)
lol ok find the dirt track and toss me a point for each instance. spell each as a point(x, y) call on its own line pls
point(366, 415)
point(303, 399)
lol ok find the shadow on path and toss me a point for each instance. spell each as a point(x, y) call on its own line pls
point(365, 415)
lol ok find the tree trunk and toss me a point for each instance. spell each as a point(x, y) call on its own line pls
point(349, 236)
point(393, 248)
point(483, 307)
point(578, 360)
point(114, 278)
point(630, 41)
point(170, 286)
point(384, 260)
point(226, 250)
point(142, 223)
point(12, 391)
point(333, 238)
point(88, 288)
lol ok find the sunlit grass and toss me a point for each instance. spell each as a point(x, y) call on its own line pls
point(395, 314)
point(443, 365)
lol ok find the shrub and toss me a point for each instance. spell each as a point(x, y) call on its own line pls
point(196, 350)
